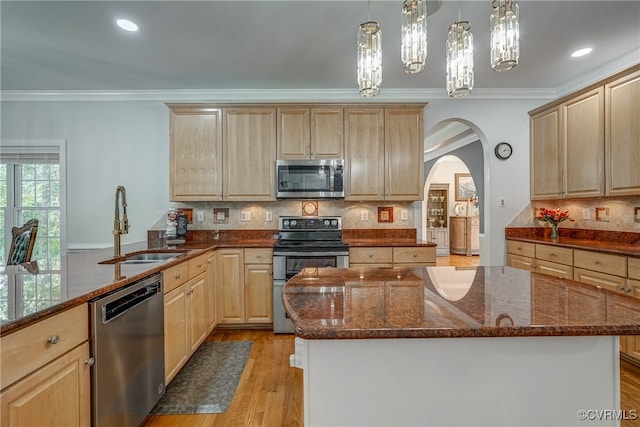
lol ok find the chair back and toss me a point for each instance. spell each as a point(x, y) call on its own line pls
point(22, 241)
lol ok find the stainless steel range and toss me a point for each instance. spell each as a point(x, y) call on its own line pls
point(304, 242)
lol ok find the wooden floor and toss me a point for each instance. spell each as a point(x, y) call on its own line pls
point(270, 392)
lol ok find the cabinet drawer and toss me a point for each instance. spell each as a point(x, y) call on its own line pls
point(175, 276)
point(553, 269)
point(603, 263)
point(599, 279)
point(554, 254)
point(26, 350)
point(521, 262)
point(258, 256)
point(521, 248)
point(370, 255)
point(634, 268)
point(197, 265)
point(414, 255)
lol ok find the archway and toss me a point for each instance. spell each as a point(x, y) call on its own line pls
point(455, 148)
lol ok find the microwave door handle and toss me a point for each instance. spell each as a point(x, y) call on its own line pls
point(331, 181)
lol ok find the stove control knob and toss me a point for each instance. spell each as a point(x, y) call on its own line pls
point(285, 223)
point(293, 222)
point(326, 222)
point(334, 222)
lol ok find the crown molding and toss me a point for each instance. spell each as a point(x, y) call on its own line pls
point(265, 95)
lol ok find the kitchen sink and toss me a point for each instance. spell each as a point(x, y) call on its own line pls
point(143, 257)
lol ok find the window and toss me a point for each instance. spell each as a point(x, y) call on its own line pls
point(31, 187)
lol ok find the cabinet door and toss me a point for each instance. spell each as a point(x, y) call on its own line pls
point(258, 293)
point(404, 151)
point(327, 133)
point(584, 145)
point(622, 135)
point(364, 146)
point(57, 394)
point(176, 331)
point(195, 154)
point(546, 155)
point(458, 235)
point(249, 154)
point(294, 138)
point(198, 327)
point(212, 319)
point(230, 280)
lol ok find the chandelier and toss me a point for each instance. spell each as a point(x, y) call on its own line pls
point(505, 35)
point(414, 35)
point(459, 68)
point(369, 59)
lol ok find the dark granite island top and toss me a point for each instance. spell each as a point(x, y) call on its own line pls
point(436, 302)
point(512, 347)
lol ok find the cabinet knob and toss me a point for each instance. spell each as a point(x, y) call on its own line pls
point(370, 255)
point(55, 339)
point(177, 276)
point(596, 261)
point(90, 361)
point(415, 255)
point(199, 265)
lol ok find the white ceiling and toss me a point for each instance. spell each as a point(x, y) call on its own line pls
point(307, 45)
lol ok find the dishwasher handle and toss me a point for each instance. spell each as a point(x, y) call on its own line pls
point(118, 307)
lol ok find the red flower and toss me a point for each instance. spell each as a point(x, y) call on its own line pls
point(553, 216)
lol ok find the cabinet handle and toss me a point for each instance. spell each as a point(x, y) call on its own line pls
point(370, 255)
point(415, 255)
point(177, 276)
point(90, 361)
point(596, 261)
point(199, 265)
point(55, 339)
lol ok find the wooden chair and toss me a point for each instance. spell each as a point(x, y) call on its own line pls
point(22, 242)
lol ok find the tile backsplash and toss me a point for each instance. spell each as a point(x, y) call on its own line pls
point(264, 215)
point(617, 214)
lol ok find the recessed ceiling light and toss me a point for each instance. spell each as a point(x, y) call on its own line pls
point(581, 52)
point(127, 25)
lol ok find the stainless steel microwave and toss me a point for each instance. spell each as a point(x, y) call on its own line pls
point(310, 179)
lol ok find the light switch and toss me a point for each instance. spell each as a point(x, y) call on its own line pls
point(586, 214)
point(364, 216)
point(404, 215)
point(245, 216)
point(502, 202)
point(199, 216)
point(269, 216)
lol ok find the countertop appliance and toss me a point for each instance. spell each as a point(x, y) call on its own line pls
point(127, 378)
point(303, 242)
point(310, 179)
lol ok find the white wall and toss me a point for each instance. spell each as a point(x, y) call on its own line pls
point(495, 121)
point(108, 144)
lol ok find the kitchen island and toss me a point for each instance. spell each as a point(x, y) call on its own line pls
point(447, 346)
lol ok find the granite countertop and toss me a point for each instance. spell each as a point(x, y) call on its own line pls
point(613, 242)
point(450, 302)
point(384, 237)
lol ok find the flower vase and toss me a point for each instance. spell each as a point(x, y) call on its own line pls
point(554, 232)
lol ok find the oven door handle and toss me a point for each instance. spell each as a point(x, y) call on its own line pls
point(300, 254)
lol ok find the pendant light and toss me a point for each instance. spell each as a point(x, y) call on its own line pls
point(414, 35)
point(459, 59)
point(369, 59)
point(505, 35)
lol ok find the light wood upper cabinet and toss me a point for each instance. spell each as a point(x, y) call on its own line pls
point(404, 153)
point(364, 147)
point(622, 135)
point(546, 154)
point(249, 145)
point(310, 133)
point(384, 153)
point(195, 153)
point(584, 145)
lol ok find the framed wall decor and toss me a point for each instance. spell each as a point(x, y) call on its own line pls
point(465, 187)
point(385, 214)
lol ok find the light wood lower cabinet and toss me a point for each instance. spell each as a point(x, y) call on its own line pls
point(245, 286)
point(185, 323)
point(212, 318)
point(464, 235)
point(58, 394)
point(387, 257)
point(45, 372)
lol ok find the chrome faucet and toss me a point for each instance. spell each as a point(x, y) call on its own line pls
point(120, 226)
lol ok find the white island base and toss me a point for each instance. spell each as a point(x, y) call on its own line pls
point(510, 381)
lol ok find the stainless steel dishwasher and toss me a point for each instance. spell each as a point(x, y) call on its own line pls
point(127, 378)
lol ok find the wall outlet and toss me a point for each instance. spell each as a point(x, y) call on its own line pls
point(404, 215)
point(245, 216)
point(199, 216)
point(586, 213)
point(269, 216)
point(364, 215)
